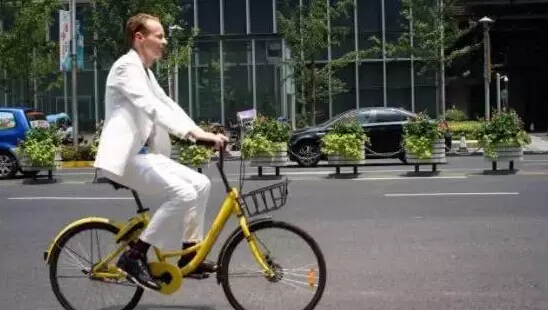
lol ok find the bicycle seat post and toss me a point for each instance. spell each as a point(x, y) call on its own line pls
point(140, 208)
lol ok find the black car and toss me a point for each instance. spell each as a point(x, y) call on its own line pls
point(384, 127)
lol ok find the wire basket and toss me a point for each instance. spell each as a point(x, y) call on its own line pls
point(265, 199)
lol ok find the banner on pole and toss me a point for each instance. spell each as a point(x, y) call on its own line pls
point(64, 40)
point(65, 36)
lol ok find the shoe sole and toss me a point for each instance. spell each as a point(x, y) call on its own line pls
point(136, 282)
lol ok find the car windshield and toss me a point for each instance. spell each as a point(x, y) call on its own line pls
point(336, 118)
point(37, 119)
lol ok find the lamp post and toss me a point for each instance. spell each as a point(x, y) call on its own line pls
point(175, 97)
point(486, 21)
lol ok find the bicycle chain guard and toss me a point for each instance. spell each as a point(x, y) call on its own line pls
point(168, 275)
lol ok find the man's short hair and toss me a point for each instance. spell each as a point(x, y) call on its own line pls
point(137, 23)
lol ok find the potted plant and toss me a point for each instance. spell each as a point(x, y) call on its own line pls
point(423, 140)
point(191, 154)
point(40, 150)
point(265, 144)
point(502, 137)
point(345, 143)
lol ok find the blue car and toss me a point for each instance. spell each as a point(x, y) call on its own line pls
point(14, 124)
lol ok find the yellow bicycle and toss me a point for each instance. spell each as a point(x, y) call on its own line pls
point(97, 267)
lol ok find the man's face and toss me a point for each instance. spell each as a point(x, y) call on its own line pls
point(153, 43)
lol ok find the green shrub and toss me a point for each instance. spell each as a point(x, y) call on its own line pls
point(68, 153)
point(467, 128)
point(419, 135)
point(505, 128)
point(455, 114)
point(346, 139)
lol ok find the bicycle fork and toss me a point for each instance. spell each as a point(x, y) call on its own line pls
point(255, 249)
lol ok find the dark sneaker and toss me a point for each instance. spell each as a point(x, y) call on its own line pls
point(203, 271)
point(137, 271)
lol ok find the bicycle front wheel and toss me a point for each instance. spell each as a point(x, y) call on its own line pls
point(298, 263)
point(72, 281)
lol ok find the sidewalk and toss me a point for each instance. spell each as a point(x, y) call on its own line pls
point(539, 144)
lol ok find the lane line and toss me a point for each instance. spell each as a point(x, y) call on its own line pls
point(69, 198)
point(411, 178)
point(451, 194)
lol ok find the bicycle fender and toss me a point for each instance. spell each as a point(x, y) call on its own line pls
point(233, 235)
point(91, 219)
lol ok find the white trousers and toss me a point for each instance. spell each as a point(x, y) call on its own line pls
point(186, 192)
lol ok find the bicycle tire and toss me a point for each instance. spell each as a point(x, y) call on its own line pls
point(55, 256)
point(233, 243)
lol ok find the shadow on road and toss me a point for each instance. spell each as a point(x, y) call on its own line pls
point(174, 307)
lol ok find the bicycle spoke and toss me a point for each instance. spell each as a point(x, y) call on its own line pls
point(74, 285)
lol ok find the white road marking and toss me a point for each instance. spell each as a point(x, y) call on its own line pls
point(69, 198)
point(411, 178)
point(451, 194)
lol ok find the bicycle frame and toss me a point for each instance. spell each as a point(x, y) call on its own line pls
point(230, 206)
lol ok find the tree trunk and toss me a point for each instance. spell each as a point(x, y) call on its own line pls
point(313, 82)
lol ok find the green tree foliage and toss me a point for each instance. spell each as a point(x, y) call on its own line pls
point(25, 52)
point(306, 31)
point(107, 19)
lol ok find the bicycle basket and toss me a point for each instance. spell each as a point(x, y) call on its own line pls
point(265, 199)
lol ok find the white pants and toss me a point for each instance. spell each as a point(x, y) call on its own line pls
point(186, 192)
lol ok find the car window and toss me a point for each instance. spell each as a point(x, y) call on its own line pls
point(37, 119)
point(7, 120)
point(389, 116)
point(365, 117)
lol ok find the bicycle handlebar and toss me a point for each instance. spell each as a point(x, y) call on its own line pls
point(220, 164)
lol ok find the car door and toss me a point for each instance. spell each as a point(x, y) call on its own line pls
point(386, 131)
point(367, 119)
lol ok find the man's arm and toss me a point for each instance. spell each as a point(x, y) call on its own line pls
point(176, 107)
point(196, 133)
point(136, 90)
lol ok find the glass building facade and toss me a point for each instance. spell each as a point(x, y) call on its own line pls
point(237, 65)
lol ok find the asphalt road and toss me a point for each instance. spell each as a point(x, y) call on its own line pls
point(462, 239)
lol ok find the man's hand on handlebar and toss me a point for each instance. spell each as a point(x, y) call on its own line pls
point(219, 141)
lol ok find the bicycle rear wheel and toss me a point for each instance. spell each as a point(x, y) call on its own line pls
point(303, 281)
point(72, 263)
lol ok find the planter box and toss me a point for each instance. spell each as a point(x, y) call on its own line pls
point(337, 159)
point(26, 166)
point(175, 153)
point(438, 155)
point(278, 158)
point(506, 153)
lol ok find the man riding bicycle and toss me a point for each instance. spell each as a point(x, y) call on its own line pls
point(139, 114)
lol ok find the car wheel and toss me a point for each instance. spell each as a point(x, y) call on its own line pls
point(308, 154)
point(8, 165)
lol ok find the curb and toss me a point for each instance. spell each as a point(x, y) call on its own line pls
point(89, 164)
point(76, 164)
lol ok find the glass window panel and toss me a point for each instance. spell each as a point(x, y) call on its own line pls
point(208, 16)
point(238, 77)
point(393, 18)
point(261, 16)
point(347, 100)
point(268, 78)
point(369, 16)
point(371, 84)
point(235, 16)
point(425, 100)
point(398, 74)
point(207, 86)
point(342, 44)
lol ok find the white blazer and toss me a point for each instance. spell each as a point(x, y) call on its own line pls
point(136, 107)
